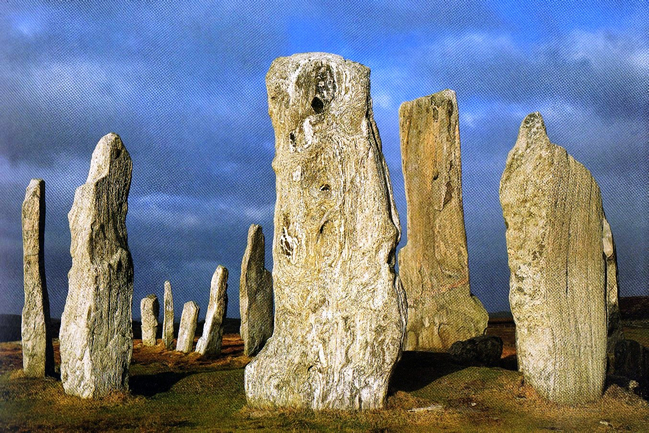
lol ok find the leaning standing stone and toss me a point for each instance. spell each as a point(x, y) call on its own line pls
point(168, 321)
point(434, 266)
point(150, 309)
point(340, 313)
point(187, 327)
point(96, 331)
point(38, 355)
point(210, 341)
point(553, 214)
point(255, 294)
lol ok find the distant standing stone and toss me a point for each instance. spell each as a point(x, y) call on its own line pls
point(212, 338)
point(434, 266)
point(38, 355)
point(553, 214)
point(187, 327)
point(482, 350)
point(255, 294)
point(613, 321)
point(150, 310)
point(96, 326)
point(168, 321)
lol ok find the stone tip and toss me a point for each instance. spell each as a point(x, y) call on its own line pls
point(109, 147)
point(34, 185)
point(532, 130)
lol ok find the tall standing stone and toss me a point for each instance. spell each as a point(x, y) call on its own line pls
point(434, 266)
point(210, 341)
point(96, 330)
point(38, 355)
point(255, 294)
point(168, 320)
point(553, 214)
point(340, 313)
point(613, 320)
point(187, 327)
point(150, 310)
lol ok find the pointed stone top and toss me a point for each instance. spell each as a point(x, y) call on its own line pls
point(110, 148)
point(532, 132)
point(217, 274)
point(167, 284)
point(34, 184)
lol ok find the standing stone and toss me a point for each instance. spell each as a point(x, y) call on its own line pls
point(210, 341)
point(187, 327)
point(150, 310)
point(168, 321)
point(38, 355)
point(255, 294)
point(340, 312)
point(96, 330)
point(434, 266)
point(613, 320)
point(553, 214)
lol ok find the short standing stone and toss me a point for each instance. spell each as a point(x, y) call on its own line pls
point(210, 341)
point(38, 355)
point(187, 327)
point(340, 312)
point(553, 214)
point(434, 266)
point(482, 350)
point(168, 321)
point(255, 294)
point(613, 321)
point(96, 330)
point(150, 310)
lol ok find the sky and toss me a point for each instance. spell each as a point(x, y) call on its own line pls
point(183, 84)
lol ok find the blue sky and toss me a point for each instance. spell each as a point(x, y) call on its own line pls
point(183, 85)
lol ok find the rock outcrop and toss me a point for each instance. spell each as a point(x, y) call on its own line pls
point(168, 320)
point(187, 328)
point(150, 310)
point(210, 341)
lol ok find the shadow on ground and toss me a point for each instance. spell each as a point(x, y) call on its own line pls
point(148, 385)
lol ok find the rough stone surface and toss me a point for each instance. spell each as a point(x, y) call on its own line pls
point(482, 350)
point(38, 355)
point(434, 266)
point(613, 320)
point(553, 214)
point(150, 310)
point(187, 327)
point(168, 320)
point(210, 341)
point(340, 312)
point(96, 331)
point(255, 294)
point(632, 362)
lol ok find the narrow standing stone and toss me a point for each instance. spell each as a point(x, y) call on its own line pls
point(187, 327)
point(613, 321)
point(553, 214)
point(434, 266)
point(38, 355)
point(255, 294)
point(340, 312)
point(150, 310)
point(168, 321)
point(210, 341)
point(96, 326)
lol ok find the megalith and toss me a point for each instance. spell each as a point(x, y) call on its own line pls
point(613, 319)
point(340, 312)
point(255, 294)
point(553, 214)
point(150, 310)
point(168, 319)
point(38, 354)
point(187, 329)
point(433, 266)
point(96, 330)
point(210, 341)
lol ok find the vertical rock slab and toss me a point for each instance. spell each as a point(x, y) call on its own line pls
point(150, 310)
point(255, 294)
point(38, 355)
point(168, 320)
point(340, 313)
point(96, 330)
point(553, 214)
point(613, 320)
point(433, 266)
point(210, 341)
point(187, 327)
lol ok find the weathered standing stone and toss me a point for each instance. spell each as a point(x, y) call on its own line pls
point(187, 327)
point(210, 341)
point(340, 313)
point(613, 321)
point(553, 214)
point(150, 310)
point(434, 266)
point(38, 355)
point(255, 294)
point(168, 320)
point(96, 331)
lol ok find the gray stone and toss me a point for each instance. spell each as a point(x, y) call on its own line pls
point(96, 327)
point(632, 362)
point(482, 350)
point(613, 320)
point(38, 355)
point(434, 266)
point(553, 214)
point(255, 294)
point(150, 310)
point(340, 311)
point(210, 341)
point(187, 327)
point(168, 320)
